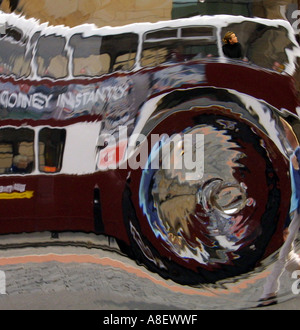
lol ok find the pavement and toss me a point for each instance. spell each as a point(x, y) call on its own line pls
point(96, 276)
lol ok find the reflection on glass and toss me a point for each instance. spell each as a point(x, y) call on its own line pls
point(14, 56)
point(178, 45)
point(87, 60)
point(51, 57)
point(96, 55)
point(220, 196)
point(16, 150)
point(263, 45)
point(51, 147)
point(122, 50)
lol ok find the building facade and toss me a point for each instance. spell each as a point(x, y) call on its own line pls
point(114, 13)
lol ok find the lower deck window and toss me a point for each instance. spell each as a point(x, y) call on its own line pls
point(16, 150)
point(51, 147)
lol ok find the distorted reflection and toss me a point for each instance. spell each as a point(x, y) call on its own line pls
point(51, 57)
point(14, 57)
point(178, 45)
point(288, 258)
point(17, 152)
point(263, 45)
point(218, 207)
point(213, 203)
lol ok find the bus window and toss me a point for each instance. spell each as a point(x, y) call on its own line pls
point(16, 150)
point(51, 148)
point(51, 57)
point(205, 32)
point(263, 45)
point(124, 62)
point(158, 46)
point(87, 60)
point(121, 49)
point(169, 45)
point(155, 54)
point(161, 34)
point(13, 56)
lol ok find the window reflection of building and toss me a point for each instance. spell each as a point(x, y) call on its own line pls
point(15, 57)
point(178, 45)
point(96, 55)
point(51, 57)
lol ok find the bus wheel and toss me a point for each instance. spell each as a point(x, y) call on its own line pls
point(207, 205)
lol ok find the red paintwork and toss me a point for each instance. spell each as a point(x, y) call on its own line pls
point(65, 202)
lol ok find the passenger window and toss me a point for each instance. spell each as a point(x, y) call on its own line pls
point(122, 49)
point(16, 151)
point(161, 34)
point(265, 46)
point(51, 58)
point(205, 32)
point(154, 55)
point(87, 60)
point(97, 55)
point(171, 46)
point(14, 55)
point(124, 62)
point(51, 148)
point(94, 65)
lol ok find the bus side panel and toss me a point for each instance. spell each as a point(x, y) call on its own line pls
point(112, 184)
point(62, 203)
point(55, 203)
point(275, 89)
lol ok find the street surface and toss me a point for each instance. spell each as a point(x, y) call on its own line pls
point(87, 277)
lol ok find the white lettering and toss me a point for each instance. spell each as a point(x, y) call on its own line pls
point(296, 284)
point(78, 100)
point(12, 101)
point(4, 98)
point(66, 100)
point(171, 319)
point(69, 99)
point(16, 187)
point(180, 152)
point(36, 100)
point(24, 100)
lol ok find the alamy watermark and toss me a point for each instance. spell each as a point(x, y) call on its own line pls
point(296, 284)
point(183, 152)
point(296, 24)
point(2, 282)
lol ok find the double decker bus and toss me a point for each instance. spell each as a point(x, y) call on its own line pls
point(78, 110)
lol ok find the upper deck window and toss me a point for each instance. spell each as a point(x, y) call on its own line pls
point(122, 49)
point(177, 45)
point(87, 60)
point(51, 57)
point(161, 34)
point(263, 45)
point(205, 32)
point(97, 55)
point(14, 55)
